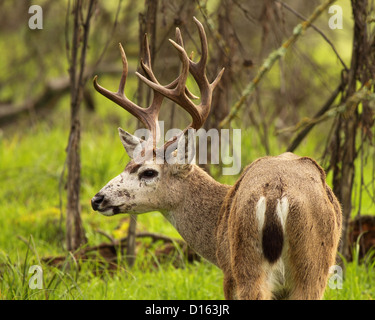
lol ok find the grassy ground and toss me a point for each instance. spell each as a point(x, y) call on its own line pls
point(31, 224)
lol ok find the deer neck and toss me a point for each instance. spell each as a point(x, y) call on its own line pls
point(196, 216)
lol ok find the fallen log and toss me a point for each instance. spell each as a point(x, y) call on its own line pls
point(112, 250)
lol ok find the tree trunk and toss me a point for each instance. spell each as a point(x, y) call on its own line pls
point(147, 24)
point(75, 234)
point(344, 144)
point(221, 97)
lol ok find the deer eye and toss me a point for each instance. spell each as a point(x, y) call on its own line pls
point(148, 174)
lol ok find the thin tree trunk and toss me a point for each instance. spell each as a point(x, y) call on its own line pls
point(147, 24)
point(75, 234)
point(221, 97)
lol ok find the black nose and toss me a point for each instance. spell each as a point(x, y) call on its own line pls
point(96, 201)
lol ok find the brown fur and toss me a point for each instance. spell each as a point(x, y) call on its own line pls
point(312, 229)
point(197, 199)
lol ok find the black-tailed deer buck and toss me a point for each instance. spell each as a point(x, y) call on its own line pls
point(274, 233)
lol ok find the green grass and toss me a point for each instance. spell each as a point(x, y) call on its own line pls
point(358, 279)
point(89, 280)
point(93, 281)
point(31, 162)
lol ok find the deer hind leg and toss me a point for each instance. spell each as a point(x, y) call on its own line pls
point(247, 268)
point(310, 272)
point(229, 287)
point(307, 286)
point(247, 281)
point(254, 288)
point(311, 255)
point(256, 242)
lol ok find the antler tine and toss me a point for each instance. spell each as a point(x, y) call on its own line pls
point(119, 96)
point(198, 71)
point(124, 74)
point(179, 37)
point(204, 46)
point(199, 68)
point(146, 60)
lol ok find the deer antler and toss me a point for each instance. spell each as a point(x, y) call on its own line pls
point(175, 91)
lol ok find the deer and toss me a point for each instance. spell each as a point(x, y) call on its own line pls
point(274, 233)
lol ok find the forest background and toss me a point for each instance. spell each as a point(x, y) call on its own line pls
point(299, 77)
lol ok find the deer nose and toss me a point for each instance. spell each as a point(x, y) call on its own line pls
point(96, 201)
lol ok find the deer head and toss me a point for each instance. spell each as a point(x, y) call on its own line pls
point(149, 179)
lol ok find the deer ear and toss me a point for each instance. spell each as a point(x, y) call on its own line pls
point(183, 151)
point(186, 148)
point(129, 142)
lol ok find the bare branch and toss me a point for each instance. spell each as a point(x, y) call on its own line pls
point(315, 28)
point(327, 105)
point(272, 58)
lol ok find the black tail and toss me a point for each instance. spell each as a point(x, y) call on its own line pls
point(272, 235)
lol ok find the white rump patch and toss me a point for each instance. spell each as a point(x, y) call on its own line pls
point(260, 212)
point(282, 210)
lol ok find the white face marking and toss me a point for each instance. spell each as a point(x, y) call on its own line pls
point(132, 192)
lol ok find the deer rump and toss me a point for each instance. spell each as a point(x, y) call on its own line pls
point(278, 224)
